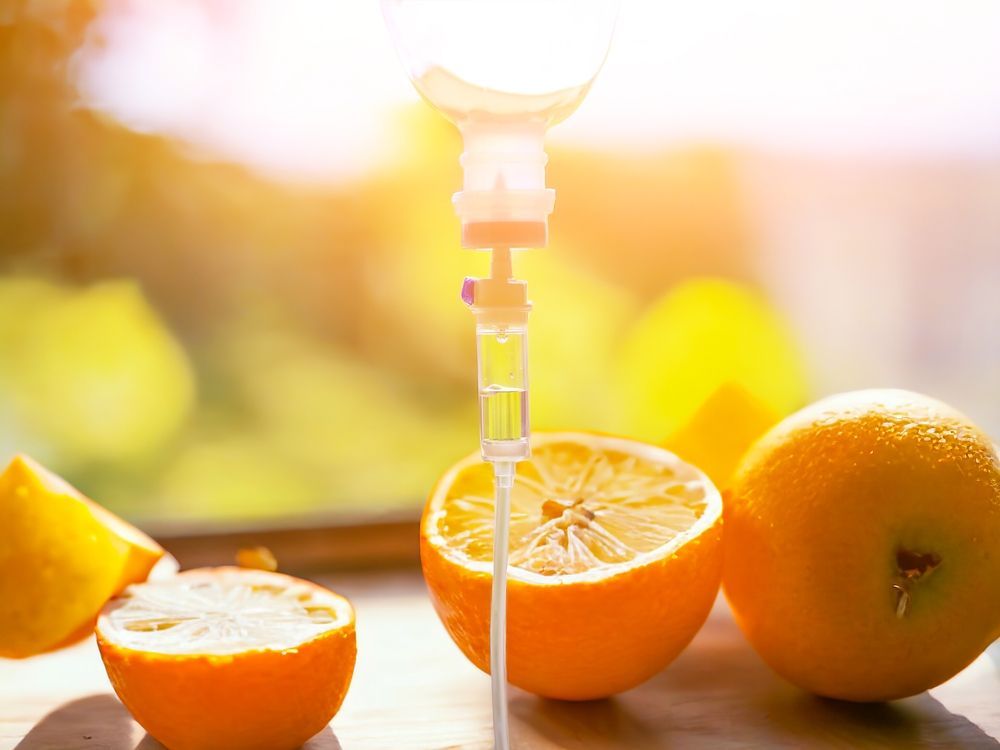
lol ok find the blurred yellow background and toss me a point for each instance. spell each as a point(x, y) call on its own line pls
point(230, 291)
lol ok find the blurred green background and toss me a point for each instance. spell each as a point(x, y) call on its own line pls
point(185, 335)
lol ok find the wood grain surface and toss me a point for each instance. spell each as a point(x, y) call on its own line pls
point(413, 690)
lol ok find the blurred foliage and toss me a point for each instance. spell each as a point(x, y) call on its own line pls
point(187, 339)
point(90, 375)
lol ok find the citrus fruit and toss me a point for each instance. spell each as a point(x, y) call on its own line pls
point(62, 557)
point(615, 559)
point(702, 334)
point(226, 658)
point(721, 431)
point(256, 558)
point(861, 545)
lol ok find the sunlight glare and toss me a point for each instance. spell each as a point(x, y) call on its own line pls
point(306, 88)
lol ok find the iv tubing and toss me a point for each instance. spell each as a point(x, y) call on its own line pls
point(503, 473)
point(500, 265)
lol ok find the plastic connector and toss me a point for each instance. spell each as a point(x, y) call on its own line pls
point(504, 201)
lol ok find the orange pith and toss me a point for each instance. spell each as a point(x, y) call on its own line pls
point(615, 562)
point(229, 658)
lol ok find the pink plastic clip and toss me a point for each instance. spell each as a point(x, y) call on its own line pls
point(469, 291)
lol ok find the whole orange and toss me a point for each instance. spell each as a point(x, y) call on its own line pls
point(615, 560)
point(862, 538)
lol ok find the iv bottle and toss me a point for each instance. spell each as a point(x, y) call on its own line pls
point(503, 71)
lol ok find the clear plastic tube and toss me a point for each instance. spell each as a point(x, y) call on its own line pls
point(504, 479)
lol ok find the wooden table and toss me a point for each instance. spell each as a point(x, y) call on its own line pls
point(413, 690)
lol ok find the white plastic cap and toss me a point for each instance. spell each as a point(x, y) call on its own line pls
point(504, 200)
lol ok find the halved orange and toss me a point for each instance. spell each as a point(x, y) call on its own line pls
point(219, 658)
point(615, 561)
point(62, 556)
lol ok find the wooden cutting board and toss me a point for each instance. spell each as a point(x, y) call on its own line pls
point(413, 690)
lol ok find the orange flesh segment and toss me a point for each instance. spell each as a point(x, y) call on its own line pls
point(222, 612)
point(575, 508)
